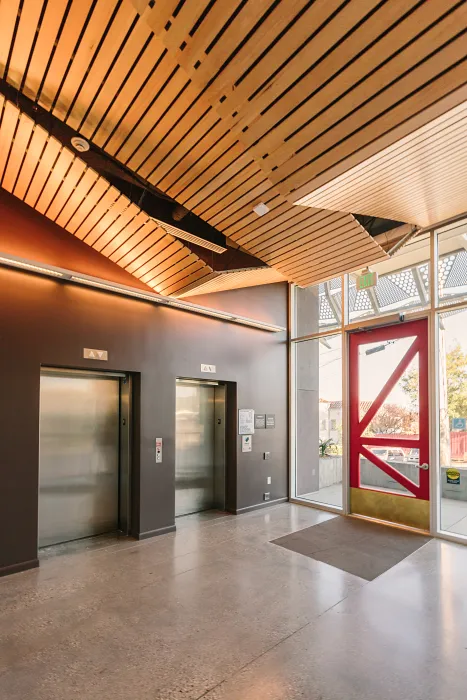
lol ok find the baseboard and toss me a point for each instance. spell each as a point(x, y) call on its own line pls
point(16, 568)
point(266, 504)
point(155, 533)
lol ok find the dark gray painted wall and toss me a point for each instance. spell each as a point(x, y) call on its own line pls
point(48, 322)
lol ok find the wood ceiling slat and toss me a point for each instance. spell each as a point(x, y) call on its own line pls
point(8, 15)
point(170, 277)
point(229, 193)
point(48, 32)
point(127, 96)
point(186, 18)
point(43, 170)
point(173, 262)
point(366, 95)
point(401, 160)
point(221, 171)
point(64, 51)
point(136, 128)
point(101, 15)
point(113, 84)
point(259, 79)
point(10, 118)
point(179, 280)
point(351, 261)
point(141, 237)
point(251, 221)
point(331, 69)
point(117, 233)
point(20, 144)
point(111, 45)
point(100, 208)
point(159, 15)
point(199, 274)
point(54, 180)
point(292, 220)
point(311, 229)
point(170, 269)
point(186, 181)
point(67, 187)
point(77, 197)
point(316, 255)
point(34, 152)
point(144, 272)
point(149, 254)
point(25, 33)
point(307, 244)
point(87, 203)
point(233, 279)
point(235, 210)
point(299, 169)
point(175, 146)
point(109, 219)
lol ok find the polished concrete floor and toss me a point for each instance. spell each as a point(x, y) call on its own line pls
point(217, 612)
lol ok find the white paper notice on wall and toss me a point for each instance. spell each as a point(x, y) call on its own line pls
point(246, 421)
point(208, 368)
point(247, 443)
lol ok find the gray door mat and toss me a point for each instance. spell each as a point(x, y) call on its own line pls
point(362, 548)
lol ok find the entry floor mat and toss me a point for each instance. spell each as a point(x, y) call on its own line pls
point(365, 549)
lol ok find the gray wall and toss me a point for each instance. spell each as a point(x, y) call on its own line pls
point(46, 322)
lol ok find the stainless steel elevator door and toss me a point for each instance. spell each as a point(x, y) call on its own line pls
point(79, 457)
point(194, 462)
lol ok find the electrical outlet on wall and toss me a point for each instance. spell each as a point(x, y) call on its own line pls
point(269, 480)
point(266, 496)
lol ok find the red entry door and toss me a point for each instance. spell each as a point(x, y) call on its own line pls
point(389, 424)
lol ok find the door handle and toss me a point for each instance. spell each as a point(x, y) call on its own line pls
point(424, 466)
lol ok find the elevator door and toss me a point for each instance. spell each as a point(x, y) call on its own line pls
point(79, 457)
point(199, 482)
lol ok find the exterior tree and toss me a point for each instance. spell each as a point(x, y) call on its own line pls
point(456, 383)
point(392, 419)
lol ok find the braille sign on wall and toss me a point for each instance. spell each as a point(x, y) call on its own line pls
point(260, 421)
point(270, 420)
point(208, 368)
point(246, 421)
point(90, 354)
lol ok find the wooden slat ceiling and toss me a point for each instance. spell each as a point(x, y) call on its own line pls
point(225, 105)
point(233, 279)
point(422, 178)
point(35, 167)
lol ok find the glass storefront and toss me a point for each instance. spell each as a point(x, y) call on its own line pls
point(426, 278)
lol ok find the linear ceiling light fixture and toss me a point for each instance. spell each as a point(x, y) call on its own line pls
point(186, 236)
point(70, 276)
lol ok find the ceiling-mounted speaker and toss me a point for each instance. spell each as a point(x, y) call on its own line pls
point(80, 144)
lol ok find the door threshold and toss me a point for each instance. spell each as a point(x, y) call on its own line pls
point(388, 523)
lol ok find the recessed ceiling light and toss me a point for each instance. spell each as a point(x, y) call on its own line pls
point(79, 144)
point(261, 209)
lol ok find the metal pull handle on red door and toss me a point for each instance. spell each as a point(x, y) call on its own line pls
point(425, 466)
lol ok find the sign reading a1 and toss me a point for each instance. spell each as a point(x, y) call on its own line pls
point(458, 423)
point(368, 279)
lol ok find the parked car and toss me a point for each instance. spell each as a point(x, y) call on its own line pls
point(414, 455)
point(389, 454)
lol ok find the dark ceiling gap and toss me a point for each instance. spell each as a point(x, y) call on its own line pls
point(13, 38)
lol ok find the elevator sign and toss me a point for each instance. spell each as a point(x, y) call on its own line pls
point(367, 280)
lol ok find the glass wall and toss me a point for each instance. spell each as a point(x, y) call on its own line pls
point(319, 420)
point(403, 283)
point(452, 420)
point(318, 308)
point(452, 262)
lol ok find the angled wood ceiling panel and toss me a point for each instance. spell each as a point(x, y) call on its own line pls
point(233, 279)
point(422, 178)
point(51, 178)
point(188, 94)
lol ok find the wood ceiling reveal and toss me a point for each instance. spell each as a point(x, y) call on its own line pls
point(36, 168)
point(225, 105)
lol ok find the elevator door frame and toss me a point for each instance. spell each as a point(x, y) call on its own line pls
point(220, 439)
point(124, 439)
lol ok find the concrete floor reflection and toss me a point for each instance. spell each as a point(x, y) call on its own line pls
point(216, 611)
